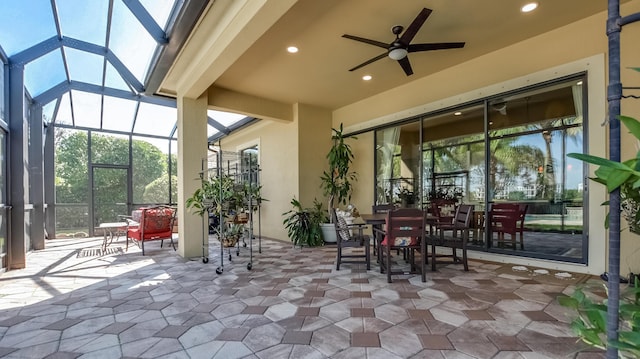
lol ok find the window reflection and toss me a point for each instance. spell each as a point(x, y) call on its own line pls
point(520, 159)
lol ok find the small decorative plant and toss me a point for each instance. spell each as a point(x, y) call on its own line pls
point(446, 193)
point(407, 197)
point(303, 224)
point(591, 322)
point(337, 182)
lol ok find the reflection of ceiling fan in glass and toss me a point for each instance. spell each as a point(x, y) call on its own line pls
point(401, 46)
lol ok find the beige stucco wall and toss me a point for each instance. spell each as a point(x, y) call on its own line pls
point(291, 158)
point(575, 48)
point(581, 46)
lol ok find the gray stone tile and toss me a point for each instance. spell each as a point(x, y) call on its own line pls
point(63, 324)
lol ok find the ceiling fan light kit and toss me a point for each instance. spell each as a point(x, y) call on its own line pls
point(401, 46)
point(398, 53)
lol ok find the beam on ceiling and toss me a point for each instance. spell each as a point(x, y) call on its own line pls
point(63, 87)
point(147, 21)
point(54, 43)
point(235, 127)
point(183, 23)
point(217, 125)
point(259, 107)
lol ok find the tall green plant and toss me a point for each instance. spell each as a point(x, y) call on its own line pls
point(337, 181)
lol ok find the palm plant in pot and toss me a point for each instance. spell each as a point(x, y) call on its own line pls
point(303, 224)
point(337, 181)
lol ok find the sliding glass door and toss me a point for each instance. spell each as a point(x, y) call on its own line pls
point(510, 149)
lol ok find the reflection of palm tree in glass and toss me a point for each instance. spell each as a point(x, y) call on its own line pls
point(573, 132)
point(508, 160)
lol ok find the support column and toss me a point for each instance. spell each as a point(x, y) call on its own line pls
point(36, 192)
point(192, 150)
point(49, 183)
point(18, 172)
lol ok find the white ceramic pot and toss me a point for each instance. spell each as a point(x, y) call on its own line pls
point(328, 232)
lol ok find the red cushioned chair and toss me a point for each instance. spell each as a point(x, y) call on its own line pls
point(156, 223)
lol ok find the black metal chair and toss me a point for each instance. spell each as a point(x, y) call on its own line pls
point(351, 236)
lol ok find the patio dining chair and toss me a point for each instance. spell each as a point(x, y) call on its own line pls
point(504, 218)
point(442, 211)
point(405, 231)
point(351, 236)
point(461, 223)
point(380, 208)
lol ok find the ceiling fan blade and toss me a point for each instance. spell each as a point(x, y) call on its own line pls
point(382, 56)
point(417, 23)
point(367, 41)
point(435, 46)
point(406, 66)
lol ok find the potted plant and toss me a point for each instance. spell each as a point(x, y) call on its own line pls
point(337, 181)
point(303, 224)
point(222, 196)
point(407, 197)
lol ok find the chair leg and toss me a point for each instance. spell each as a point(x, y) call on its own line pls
point(423, 256)
point(465, 239)
point(339, 257)
point(433, 256)
point(388, 264)
point(368, 255)
point(142, 245)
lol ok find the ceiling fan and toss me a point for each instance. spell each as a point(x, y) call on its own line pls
point(401, 46)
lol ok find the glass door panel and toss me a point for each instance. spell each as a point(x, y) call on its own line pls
point(398, 166)
point(529, 137)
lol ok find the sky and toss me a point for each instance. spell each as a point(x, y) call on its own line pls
point(26, 23)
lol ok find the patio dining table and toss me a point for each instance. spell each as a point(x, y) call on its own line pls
point(377, 221)
point(112, 230)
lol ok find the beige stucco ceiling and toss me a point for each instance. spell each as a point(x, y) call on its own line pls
point(240, 45)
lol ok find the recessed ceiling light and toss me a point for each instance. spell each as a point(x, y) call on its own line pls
point(366, 77)
point(529, 7)
point(457, 113)
point(292, 49)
